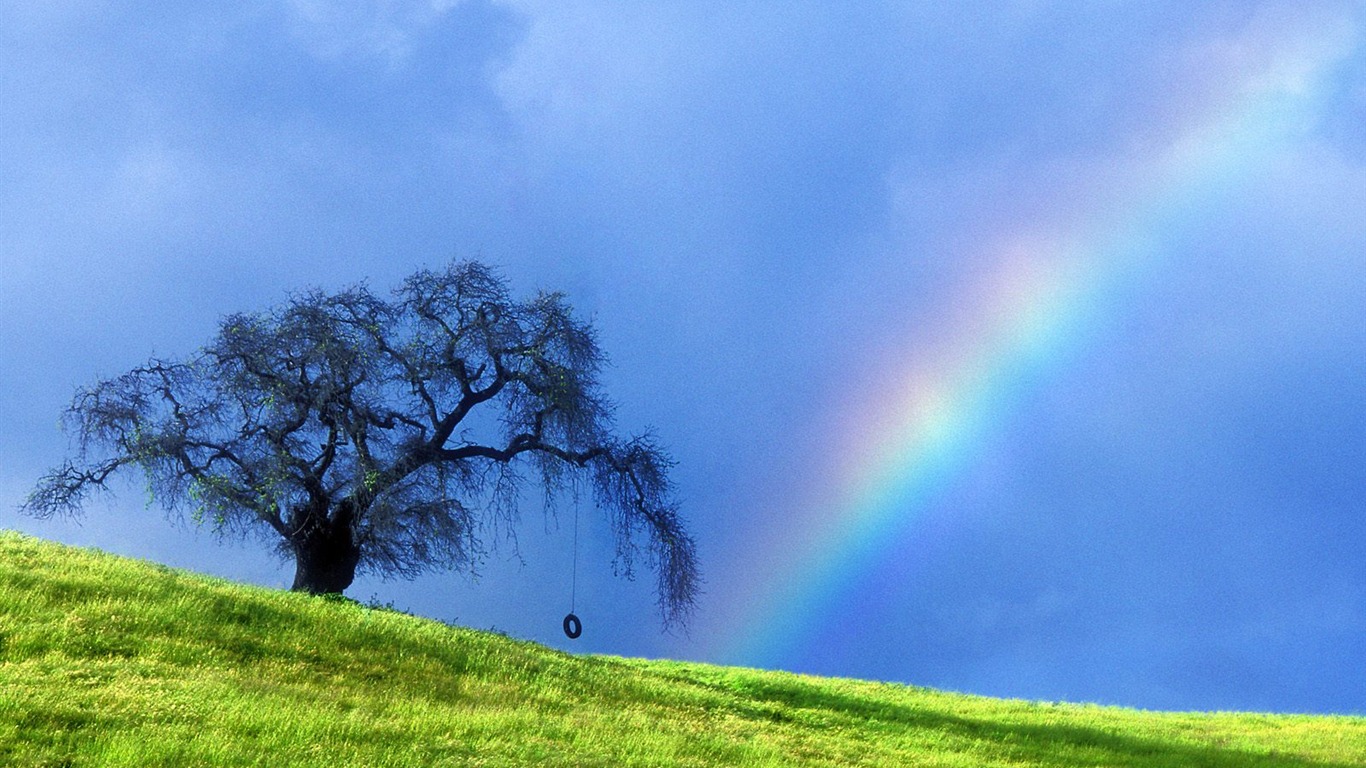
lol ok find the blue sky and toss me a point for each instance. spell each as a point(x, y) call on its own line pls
point(771, 211)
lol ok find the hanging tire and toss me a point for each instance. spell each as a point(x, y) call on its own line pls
point(572, 627)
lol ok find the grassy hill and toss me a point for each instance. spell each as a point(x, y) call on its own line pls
point(108, 661)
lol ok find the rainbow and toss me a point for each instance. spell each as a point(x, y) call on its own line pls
point(1032, 312)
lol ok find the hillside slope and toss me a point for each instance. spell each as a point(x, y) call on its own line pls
point(110, 661)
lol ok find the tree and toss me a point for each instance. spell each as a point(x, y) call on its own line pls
point(365, 435)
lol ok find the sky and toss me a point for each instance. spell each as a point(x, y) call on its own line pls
point(1013, 348)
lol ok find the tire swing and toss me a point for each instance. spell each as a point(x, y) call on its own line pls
point(572, 626)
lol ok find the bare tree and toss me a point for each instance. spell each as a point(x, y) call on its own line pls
point(363, 434)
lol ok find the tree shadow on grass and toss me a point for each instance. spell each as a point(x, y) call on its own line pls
point(1032, 743)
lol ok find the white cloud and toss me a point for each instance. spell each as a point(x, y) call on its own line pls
point(383, 29)
point(581, 69)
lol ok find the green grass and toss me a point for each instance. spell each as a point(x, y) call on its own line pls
point(108, 661)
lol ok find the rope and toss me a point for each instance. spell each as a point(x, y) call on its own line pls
point(574, 577)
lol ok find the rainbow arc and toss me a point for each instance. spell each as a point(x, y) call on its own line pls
point(1034, 311)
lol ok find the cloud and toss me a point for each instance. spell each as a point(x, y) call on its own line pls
point(713, 108)
point(387, 30)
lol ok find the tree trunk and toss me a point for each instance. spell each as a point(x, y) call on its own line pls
point(325, 560)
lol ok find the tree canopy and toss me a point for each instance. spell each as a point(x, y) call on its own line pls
point(365, 434)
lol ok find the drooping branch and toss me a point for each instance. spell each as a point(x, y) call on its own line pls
point(63, 491)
